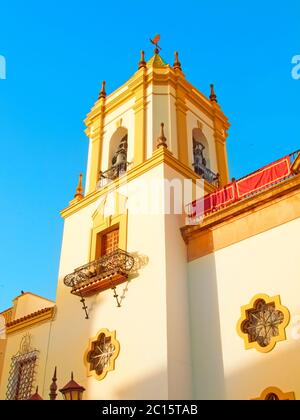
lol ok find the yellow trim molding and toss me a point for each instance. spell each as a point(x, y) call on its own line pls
point(101, 223)
point(246, 309)
point(95, 132)
point(140, 119)
point(246, 218)
point(285, 396)
point(31, 320)
point(161, 155)
point(136, 89)
point(181, 110)
point(111, 363)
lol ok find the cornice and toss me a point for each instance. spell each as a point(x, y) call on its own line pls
point(242, 207)
point(30, 320)
point(157, 76)
point(160, 156)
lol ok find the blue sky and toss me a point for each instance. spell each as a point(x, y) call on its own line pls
point(58, 52)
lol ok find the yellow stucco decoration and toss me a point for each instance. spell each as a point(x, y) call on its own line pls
point(111, 212)
point(269, 322)
point(103, 349)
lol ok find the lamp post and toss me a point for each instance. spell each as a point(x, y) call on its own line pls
point(72, 390)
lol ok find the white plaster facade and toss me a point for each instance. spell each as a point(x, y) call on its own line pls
point(177, 322)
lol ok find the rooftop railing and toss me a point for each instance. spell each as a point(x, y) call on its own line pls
point(207, 174)
point(245, 187)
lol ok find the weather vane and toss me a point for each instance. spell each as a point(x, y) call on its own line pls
point(155, 42)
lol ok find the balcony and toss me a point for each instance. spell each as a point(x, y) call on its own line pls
point(114, 172)
point(101, 274)
point(206, 173)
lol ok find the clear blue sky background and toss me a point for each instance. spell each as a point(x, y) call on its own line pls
point(57, 54)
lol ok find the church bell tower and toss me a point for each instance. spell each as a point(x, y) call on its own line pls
point(122, 319)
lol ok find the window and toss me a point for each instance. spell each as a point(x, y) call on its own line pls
point(275, 394)
point(201, 157)
point(24, 377)
point(117, 156)
point(200, 139)
point(102, 353)
point(22, 372)
point(107, 241)
point(263, 323)
point(272, 397)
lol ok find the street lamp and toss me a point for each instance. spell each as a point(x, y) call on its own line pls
point(72, 391)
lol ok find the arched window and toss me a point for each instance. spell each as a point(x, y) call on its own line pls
point(275, 394)
point(200, 142)
point(117, 156)
point(272, 397)
point(201, 160)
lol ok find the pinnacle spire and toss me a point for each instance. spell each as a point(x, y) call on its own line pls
point(176, 64)
point(102, 93)
point(162, 141)
point(53, 387)
point(142, 62)
point(79, 189)
point(212, 96)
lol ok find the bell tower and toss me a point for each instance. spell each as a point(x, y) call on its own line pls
point(127, 269)
point(194, 124)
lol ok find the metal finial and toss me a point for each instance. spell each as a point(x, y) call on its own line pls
point(154, 41)
point(176, 64)
point(53, 387)
point(72, 376)
point(79, 189)
point(102, 93)
point(142, 62)
point(212, 96)
point(162, 141)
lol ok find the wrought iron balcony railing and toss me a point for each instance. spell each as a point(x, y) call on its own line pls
point(206, 173)
point(115, 171)
point(101, 274)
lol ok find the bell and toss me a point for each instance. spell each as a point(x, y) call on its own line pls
point(121, 158)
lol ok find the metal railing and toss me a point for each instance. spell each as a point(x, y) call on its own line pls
point(118, 261)
point(206, 173)
point(195, 218)
point(293, 156)
point(114, 172)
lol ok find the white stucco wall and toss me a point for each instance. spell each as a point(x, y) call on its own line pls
point(178, 332)
point(140, 324)
point(219, 285)
point(28, 303)
point(160, 108)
